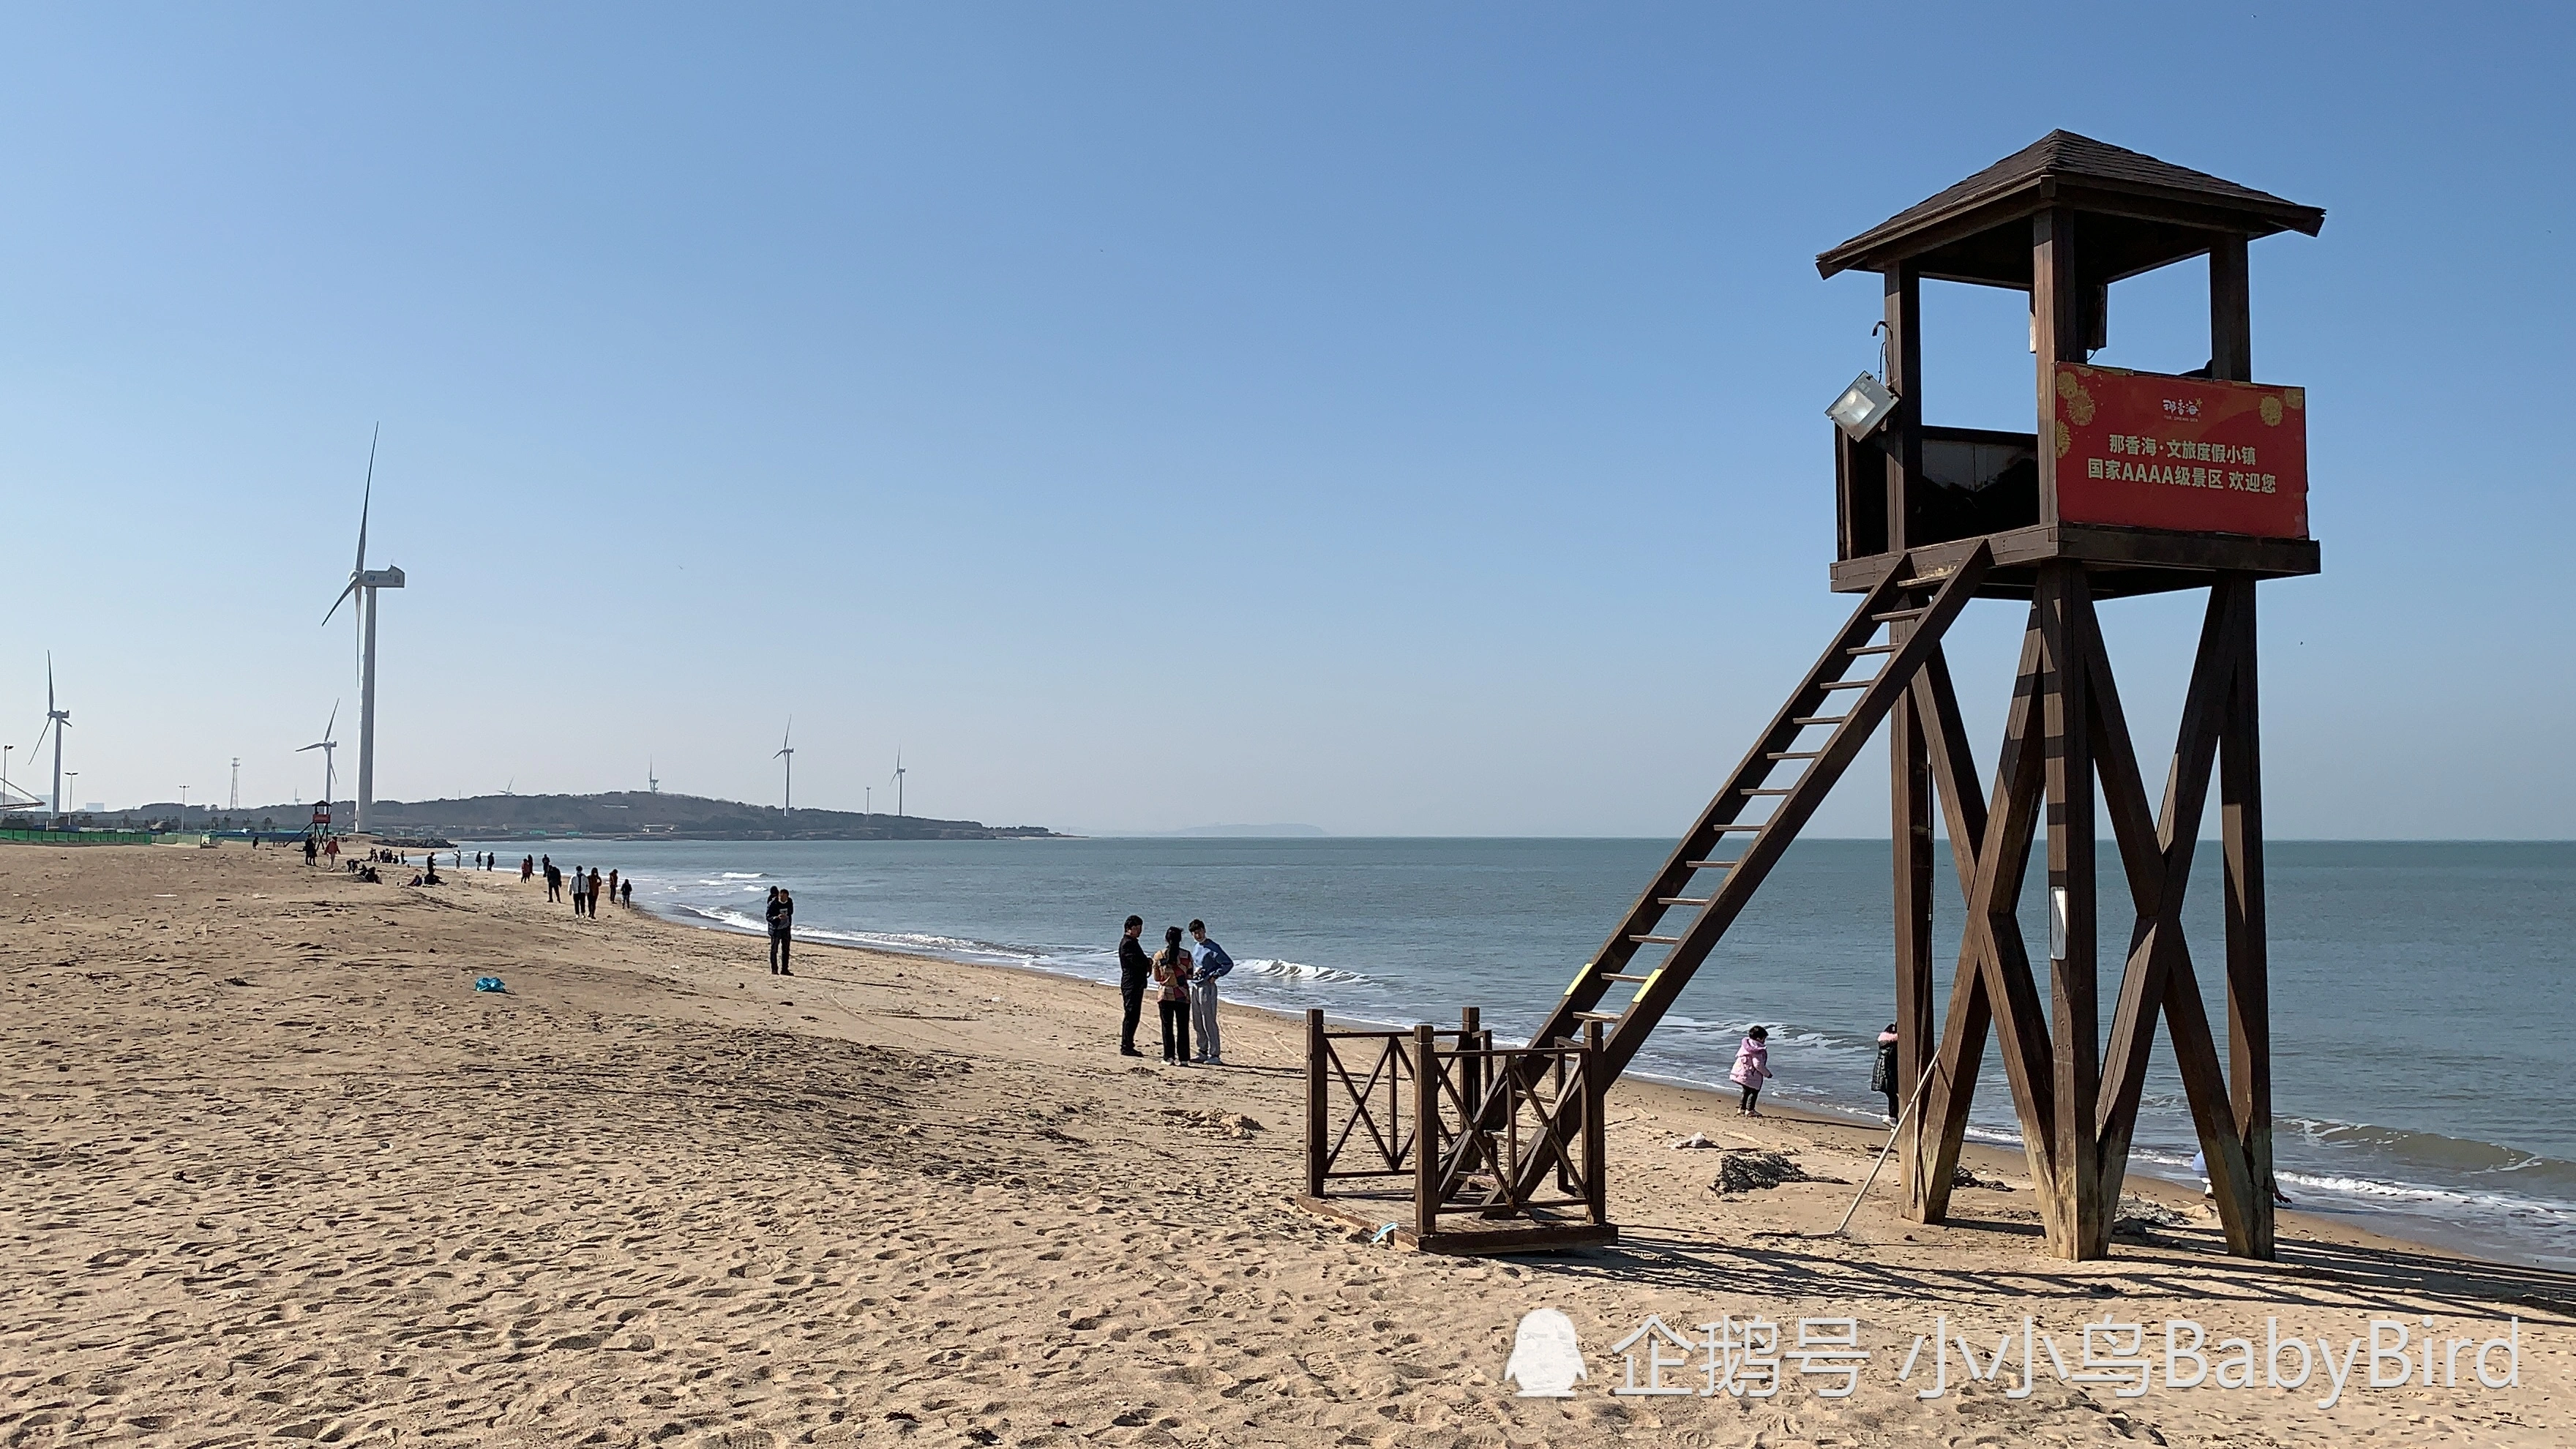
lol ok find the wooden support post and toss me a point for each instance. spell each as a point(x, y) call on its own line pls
point(1471, 1083)
point(1426, 1131)
point(2249, 992)
point(2231, 312)
point(1904, 431)
point(2077, 1218)
point(1596, 1181)
point(2057, 330)
point(1315, 1117)
point(1910, 832)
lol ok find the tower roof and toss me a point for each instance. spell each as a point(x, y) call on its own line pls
point(2142, 213)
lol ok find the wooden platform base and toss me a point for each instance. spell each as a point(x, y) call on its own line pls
point(2120, 562)
point(1513, 1235)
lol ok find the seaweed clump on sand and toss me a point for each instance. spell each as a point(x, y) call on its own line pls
point(1748, 1169)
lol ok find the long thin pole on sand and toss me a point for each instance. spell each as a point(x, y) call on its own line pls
point(1899, 1131)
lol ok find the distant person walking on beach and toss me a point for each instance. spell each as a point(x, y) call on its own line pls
point(310, 850)
point(1882, 1073)
point(626, 892)
point(527, 866)
point(1210, 967)
point(594, 892)
point(554, 882)
point(782, 929)
point(1752, 1069)
point(1134, 969)
point(1172, 973)
point(612, 887)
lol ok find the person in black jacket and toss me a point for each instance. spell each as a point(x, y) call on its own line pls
point(1882, 1073)
point(782, 929)
point(1134, 967)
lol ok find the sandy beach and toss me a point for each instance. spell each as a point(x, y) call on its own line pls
point(276, 1171)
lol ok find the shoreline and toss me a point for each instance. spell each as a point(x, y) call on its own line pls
point(280, 1170)
point(2007, 1161)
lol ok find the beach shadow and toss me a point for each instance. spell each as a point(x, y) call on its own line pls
point(2324, 1276)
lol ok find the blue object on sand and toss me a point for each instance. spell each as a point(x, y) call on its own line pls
point(489, 983)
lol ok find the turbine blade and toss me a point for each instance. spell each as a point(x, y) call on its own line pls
point(367, 500)
point(335, 720)
point(344, 598)
point(49, 684)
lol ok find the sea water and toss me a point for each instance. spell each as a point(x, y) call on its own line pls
point(2421, 996)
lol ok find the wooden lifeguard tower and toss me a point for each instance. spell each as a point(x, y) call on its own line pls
point(2129, 483)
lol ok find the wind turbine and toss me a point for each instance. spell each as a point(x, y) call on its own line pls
point(364, 582)
point(326, 745)
point(652, 782)
point(56, 720)
point(787, 752)
point(898, 784)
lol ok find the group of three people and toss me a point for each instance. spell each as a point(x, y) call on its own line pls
point(1185, 979)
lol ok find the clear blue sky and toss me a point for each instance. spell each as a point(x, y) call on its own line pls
point(1403, 419)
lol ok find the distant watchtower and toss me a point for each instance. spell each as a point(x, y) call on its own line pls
point(2128, 483)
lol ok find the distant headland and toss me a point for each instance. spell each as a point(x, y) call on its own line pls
point(618, 815)
point(639, 814)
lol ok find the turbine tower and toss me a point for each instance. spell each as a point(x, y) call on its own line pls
point(56, 720)
point(364, 582)
point(898, 784)
point(787, 752)
point(233, 801)
point(326, 745)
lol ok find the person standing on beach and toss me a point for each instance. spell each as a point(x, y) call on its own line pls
point(1752, 1069)
point(1172, 973)
point(527, 867)
point(626, 892)
point(1134, 967)
point(594, 892)
point(1210, 966)
point(612, 887)
point(1882, 1073)
point(782, 929)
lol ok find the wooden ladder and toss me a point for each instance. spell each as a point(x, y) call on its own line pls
point(1718, 866)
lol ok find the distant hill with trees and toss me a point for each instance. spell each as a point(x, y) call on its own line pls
point(627, 815)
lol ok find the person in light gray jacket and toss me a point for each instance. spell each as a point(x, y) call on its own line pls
point(1212, 966)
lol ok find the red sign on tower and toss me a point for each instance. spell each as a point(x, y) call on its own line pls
point(2188, 453)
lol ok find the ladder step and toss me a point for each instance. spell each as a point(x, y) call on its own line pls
point(1900, 614)
point(1738, 830)
point(1924, 582)
point(1706, 864)
point(1796, 755)
point(1872, 649)
point(1683, 900)
point(1767, 791)
point(1852, 683)
point(1656, 940)
point(1816, 719)
point(1596, 1016)
point(1618, 976)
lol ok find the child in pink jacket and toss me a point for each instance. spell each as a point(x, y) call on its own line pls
point(1752, 1069)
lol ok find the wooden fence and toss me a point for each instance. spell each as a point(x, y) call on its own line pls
point(1450, 1143)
